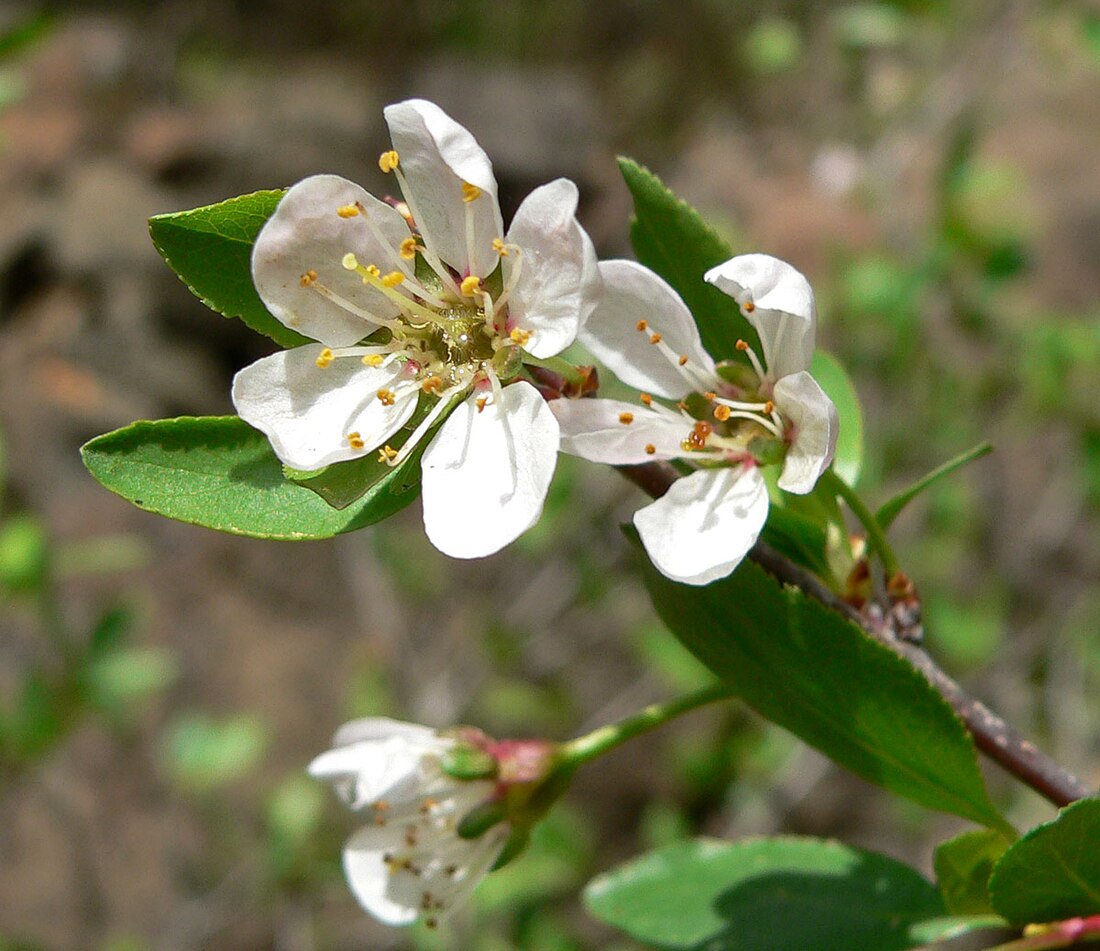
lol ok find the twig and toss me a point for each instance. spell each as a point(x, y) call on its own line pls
point(992, 735)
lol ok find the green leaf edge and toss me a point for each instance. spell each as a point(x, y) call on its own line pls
point(890, 509)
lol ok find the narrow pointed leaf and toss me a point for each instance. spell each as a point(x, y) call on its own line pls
point(219, 472)
point(210, 248)
point(815, 673)
point(1053, 872)
point(775, 894)
point(671, 238)
point(891, 509)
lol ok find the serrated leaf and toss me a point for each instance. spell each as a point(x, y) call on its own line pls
point(671, 238)
point(890, 510)
point(816, 674)
point(219, 472)
point(210, 248)
point(834, 380)
point(1053, 872)
point(776, 894)
point(963, 866)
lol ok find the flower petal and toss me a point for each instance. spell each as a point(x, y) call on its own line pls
point(633, 293)
point(783, 310)
point(485, 474)
point(370, 771)
point(305, 234)
point(705, 524)
point(803, 402)
point(308, 412)
point(558, 279)
point(594, 429)
point(436, 156)
point(383, 728)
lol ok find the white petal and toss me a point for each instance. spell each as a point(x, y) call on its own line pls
point(705, 524)
point(376, 770)
point(306, 234)
point(485, 474)
point(632, 293)
point(816, 426)
point(436, 156)
point(382, 728)
point(593, 429)
point(784, 314)
point(308, 412)
point(447, 871)
point(558, 279)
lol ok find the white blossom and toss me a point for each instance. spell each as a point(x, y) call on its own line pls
point(435, 307)
point(408, 862)
point(706, 523)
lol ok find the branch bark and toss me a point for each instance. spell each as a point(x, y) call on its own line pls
point(995, 737)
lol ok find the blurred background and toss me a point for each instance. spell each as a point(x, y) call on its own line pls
point(930, 164)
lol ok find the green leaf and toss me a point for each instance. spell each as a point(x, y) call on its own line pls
point(775, 894)
point(828, 371)
point(210, 248)
point(24, 554)
point(891, 509)
point(670, 237)
point(204, 753)
point(816, 674)
point(219, 472)
point(1053, 872)
point(963, 866)
point(799, 538)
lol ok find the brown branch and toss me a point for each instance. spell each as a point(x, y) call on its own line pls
point(992, 735)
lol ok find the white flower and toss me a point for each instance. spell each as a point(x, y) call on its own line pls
point(408, 863)
point(707, 522)
point(450, 303)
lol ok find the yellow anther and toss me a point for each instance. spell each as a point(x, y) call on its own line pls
point(372, 270)
point(683, 359)
point(408, 249)
point(386, 397)
point(481, 402)
point(748, 307)
point(470, 285)
point(386, 453)
point(741, 345)
point(355, 441)
point(308, 278)
point(350, 262)
point(324, 358)
point(646, 398)
point(388, 161)
point(626, 418)
point(769, 407)
point(432, 384)
point(392, 279)
point(373, 360)
point(721, 413)
point(641, 325)
point(470, 192)
point(710, 396)
point(348, 211)
point(650, 448)
point(500, 247)
point(519, 336)
point(654, 338)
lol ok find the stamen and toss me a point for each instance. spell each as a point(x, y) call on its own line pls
point(500, 247)
point(481, 401)
point(426, 423)
point(710, 396)
point(641, 325)
point(386, 397)
point(654, 339)
point(355, 441)
point(768, 424)
point(432, 384)
point(324, 358)
point(430, 256)
point(310, 277)
point(408, 249)
point(471, 249)
point(470, 285)
point(646, 398)
point(683, 359)
point(769, 407)
point(373, 360)
point(748, 307)
point(722, 413)
point(626, 418)
point(371, 276)
point(348, 211)
point(393, 279)
point(388, 161)
point(519, 337)
point(650, 449)
point(753, 358)
point(329, 294)
point(470, 192)
point(513, 278)
point(387, 453)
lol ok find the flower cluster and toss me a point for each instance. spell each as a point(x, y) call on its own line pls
point(427, 309)
point(727, 420)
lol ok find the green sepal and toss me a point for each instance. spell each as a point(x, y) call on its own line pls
point(481, 819)
point(513, 848)
point(468, 763)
